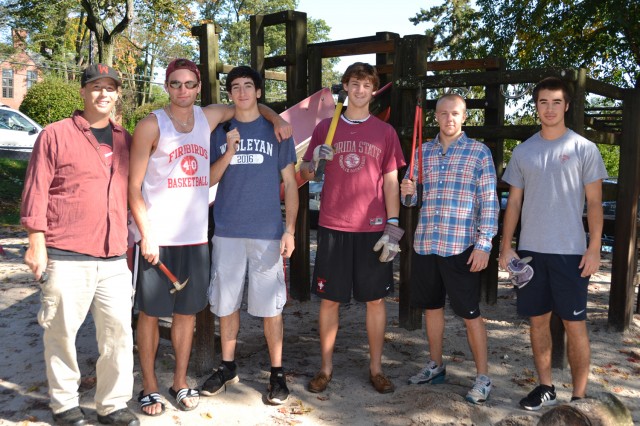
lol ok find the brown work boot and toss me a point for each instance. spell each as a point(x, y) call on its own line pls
point(319, 382)
point(382, 383)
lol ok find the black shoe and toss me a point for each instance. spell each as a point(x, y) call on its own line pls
point(71, 417)
point(541, 396)
point(218, 380)
point(122, 417)
point(278, 390)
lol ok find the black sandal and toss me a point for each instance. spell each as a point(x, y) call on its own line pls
point(182, 394)
point(150, 399)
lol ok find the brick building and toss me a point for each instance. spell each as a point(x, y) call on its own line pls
point(19, 71)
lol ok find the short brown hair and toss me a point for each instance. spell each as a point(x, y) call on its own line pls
point(362, 71)
point(552, 83)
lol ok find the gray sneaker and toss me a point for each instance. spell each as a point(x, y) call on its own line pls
point(480, 390)
point(432, 374)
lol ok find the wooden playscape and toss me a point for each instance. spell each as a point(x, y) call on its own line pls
point(403, 62)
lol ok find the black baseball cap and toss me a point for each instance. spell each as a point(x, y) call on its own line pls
point(96, 71)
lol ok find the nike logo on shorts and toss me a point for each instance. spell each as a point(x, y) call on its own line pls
point(577, 313)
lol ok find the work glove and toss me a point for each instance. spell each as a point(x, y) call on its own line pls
point(389, 242)
point(322, 152)
point(520, 273)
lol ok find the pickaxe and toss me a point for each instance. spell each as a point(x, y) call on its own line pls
point(177, 285)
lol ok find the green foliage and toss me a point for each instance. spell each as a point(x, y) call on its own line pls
point(611, 157)
point(51, 100)
point(12, 174)
point(132, 119)
point(600, 35)
point(235, 49)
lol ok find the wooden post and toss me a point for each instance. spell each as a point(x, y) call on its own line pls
point(209, 58)
point(625, 250)
point(300, 271)
point(204, 339)
point(295, 61)
point(256, 25)
point(314, 64)
point(296, 35)
point(411, 60)
point(493, 116)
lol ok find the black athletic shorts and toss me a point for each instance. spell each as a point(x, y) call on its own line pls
point(434, 277)
point(346, 264)
point(152, 285)
point(556, 286)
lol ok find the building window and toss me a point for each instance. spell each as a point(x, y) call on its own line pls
point(7, 83)
point(32, 78)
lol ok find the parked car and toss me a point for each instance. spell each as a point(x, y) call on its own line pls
point(17, 130)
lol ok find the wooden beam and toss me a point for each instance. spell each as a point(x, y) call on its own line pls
point(483, 78)
point(465, 64)
point(604, 89)
point(625, 259)
point(603, 138)
point(358, 48)
point(269, 75)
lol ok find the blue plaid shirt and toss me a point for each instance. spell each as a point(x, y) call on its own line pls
point(460, 204)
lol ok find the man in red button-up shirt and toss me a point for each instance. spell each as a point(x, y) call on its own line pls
point(75, 211)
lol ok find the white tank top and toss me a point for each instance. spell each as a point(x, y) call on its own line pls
point(176, 185)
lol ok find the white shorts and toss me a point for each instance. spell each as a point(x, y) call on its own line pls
point(267, 292)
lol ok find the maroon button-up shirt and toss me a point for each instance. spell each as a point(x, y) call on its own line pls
point(72, 195)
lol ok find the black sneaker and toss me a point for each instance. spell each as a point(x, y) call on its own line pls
point(218, 380)
point(122, 417)
point(542, 395)
point(278, 390)
point(71, 417)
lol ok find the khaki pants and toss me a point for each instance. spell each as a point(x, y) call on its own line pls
point(74, 288)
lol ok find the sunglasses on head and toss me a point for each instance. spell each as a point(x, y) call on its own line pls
point(188, 84)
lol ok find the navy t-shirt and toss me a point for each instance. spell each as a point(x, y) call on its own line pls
point(248, 199)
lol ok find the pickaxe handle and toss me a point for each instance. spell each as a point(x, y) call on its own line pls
point(177, 285)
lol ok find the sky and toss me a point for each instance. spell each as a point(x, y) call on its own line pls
point(357, 18)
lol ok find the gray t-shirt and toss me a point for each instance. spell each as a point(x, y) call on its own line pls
point(553, 174)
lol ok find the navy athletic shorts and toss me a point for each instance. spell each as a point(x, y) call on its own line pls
point(556, 286)
point(346, 264)
point(434, 277)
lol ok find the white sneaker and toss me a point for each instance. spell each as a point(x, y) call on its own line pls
point(480, 390)
point(432, 374)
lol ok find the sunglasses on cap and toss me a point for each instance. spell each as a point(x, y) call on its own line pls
point(175, 84)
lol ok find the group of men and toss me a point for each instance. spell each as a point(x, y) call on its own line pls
point(87, 169)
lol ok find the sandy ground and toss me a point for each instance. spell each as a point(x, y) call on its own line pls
point(350, 399)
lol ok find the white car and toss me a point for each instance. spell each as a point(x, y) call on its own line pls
point(17, 131)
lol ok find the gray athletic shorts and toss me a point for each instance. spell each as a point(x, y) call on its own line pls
point(267, 292)
point(152, 286)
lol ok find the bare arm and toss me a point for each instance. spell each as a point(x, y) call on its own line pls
point(291, 204)
point(145, 139)
point(281, 127)
point(218, 113)
point(511, 218)
point(591, 259)
point(391, 189)
point(218, 168)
